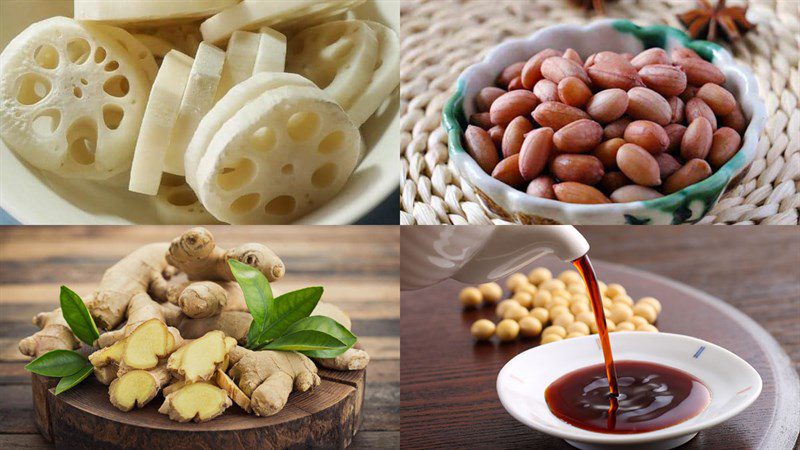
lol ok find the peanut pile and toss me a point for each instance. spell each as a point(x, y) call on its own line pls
point(538, 299)
point(617, 128)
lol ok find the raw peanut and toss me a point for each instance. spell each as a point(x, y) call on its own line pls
point(572, 192)
point(717, 98)
point(616, 128)
point(724, 145)
point(515, 84)
point(675, 132)
point(696, 141)
point(573, 92)
point(546, 91)
point(572, 55)
point(667, 165)
point(614, 73)
point(647, 104)
point(694, 171)
point(556, 68)
point(634, 193)
point(532, 71)
point(578, 137)
point(507, 171)
point(680, 53)
point(496, 133)
point(604, 57)
point(699, 71)
point(696, 107)
point(608, 105)
point(665, 79)
point(735, 120)
point(606, 152)
point(512, 104)
point(648, 135)
point(650, 56)
point(557, 115)
point(542, 187)
point(628, 56)
point(638, 165)
point(689, 93)
point(535, 152)
point(613, 180)
point(585, 169)
point(509, 73)
point(480, 146)
point(483, 120)
point(677, 106)
point(514, 135)
point(487, 96)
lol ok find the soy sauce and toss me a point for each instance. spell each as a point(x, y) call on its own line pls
point(651, 397)
point(639, 397)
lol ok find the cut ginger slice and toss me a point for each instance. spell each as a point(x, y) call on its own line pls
point(195, 401)
point(146, 344)
point(199, 359)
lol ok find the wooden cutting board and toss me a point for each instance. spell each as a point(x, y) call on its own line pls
point(83, 418)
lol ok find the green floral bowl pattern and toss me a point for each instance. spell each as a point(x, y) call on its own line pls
point(686, 206)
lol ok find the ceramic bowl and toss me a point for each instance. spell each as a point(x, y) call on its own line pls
point(688, 205)
point(34, 197)
point(733, 383)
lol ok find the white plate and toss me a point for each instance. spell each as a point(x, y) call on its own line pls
point(733, 383)
point(34, 197)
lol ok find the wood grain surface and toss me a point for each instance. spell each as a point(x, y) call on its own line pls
point(357, 266)
point(449, 398)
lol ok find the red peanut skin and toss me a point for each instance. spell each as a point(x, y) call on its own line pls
point(535, 152)
point(479, 145)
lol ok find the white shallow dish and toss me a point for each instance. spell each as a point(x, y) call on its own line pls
point(34, 197)
point(733, 383)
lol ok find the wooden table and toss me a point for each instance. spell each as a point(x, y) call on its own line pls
point(357, 266)
point(449, 398)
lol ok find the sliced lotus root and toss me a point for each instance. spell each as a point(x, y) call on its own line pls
point(176, 203)
point(271, 51)
point(144, 11)
point(159, 119)
point(252, 14)
point(134, 47)
point(339, 57)
point(198, 98)
point(159, 47)
point(72, 99)
point(281, 156)
point(240, 57)
point(224, 109)
point(184, 37)
point(385, 78)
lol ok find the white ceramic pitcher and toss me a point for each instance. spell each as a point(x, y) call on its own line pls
point(478, 254)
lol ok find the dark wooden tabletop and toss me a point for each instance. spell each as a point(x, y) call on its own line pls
point(449, 398)
point(357, 266)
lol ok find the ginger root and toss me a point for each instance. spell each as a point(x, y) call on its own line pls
point(141, 349)
point(137, 387)
point(202, 299)
point(54, 334)
point(195, 401)
point(234, 393)
point(268, 377)
point(140, 309)
point(196, 254)
point(199, 359)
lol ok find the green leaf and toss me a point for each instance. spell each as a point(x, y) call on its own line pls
point(57, 363)
point(257, 295)
point(329, 326)
point(315, 336)
point(78, 317)
point(286, 310)
point(305, 340)
point(73, 380)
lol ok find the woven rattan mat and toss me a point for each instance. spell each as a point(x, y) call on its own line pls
point(440, 38)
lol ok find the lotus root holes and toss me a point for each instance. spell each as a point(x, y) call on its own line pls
point(332, 143)
point(32, 88)
point(235, 175)
point(171, 180)
point(117, 86)
point(46, 56)
point(82, 140)
point(245, 203)
point(100, 55)
point(112, 116)
point(281, 205)
point(303, 125)
point(182, 197)
point(263, 139)
point(78, 50)
point(324, 176)
point(111, 66)
point(287, 169)
point(46, 123)
point(77, 92)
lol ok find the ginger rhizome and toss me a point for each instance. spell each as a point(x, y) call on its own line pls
point(199, 359)
point(195, 401)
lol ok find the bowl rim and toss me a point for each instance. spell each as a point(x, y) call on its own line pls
point(649, 436)
point(452, 116)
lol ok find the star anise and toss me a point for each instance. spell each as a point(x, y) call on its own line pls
point(597, 5)
point(705, 21)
